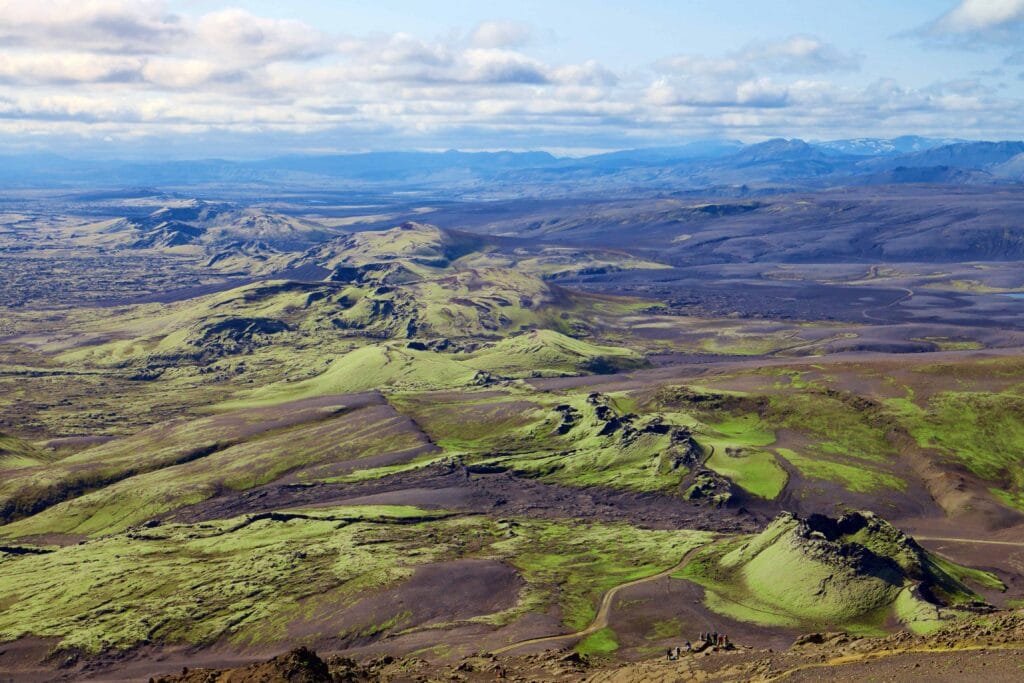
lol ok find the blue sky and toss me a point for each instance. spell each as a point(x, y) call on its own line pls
point(189, 78)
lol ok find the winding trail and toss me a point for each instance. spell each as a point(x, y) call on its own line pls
point(600, 620)
point(878, 655)
point(1018, 544)
point(907, 295)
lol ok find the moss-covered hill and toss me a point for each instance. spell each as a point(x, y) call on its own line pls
point(855, 572)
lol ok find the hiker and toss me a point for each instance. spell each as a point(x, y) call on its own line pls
point(687, 647)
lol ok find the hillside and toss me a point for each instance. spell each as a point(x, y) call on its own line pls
point(330, 446)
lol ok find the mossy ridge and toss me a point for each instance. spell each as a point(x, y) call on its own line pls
point(854, 477)
point(572, 438)
point(239, 580)
point(363, 300)
point(244, 580)
point(845, 443)
point(982, 430)
point(178, 442)
point(310, 448)
point(400, 366)
point(17, 453)
point(862, 568)
point(590, 443)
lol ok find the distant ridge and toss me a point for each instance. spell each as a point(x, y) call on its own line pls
point(709, 164)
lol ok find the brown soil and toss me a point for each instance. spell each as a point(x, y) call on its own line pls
point(993, 652)
point(438, 593)
point(298, 666)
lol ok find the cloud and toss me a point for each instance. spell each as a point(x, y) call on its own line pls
point(114, 26)
point(976, 24)
point(981, 15)
point(800, 54)
point(501, 34)
point(755, 94)
point(753, 77)
point(590, 73)
point(702, 66)
point(795, 54)
point(67, 68)
point(241, 34)
point(136, 70)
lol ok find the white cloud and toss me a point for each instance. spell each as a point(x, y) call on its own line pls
point(977, 24)
point(242, 35)
point(800, 53)
point(501, 34)
point(981, 15)
point(795, 54)
point(68, 68)
point(138, 70)
point(115, 26)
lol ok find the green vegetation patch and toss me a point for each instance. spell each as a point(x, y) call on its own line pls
point(17, 453)
point(321, 445)
point(753, 470)
point(838, 424)
point(242, 580)
point(246, 580)
point(859, 478)
point(982, 430)
point(599, 643)
point(586, 560)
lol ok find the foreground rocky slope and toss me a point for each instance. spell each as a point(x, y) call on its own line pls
point(991, 649)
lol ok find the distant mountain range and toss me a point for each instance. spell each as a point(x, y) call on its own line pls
point(712, 164)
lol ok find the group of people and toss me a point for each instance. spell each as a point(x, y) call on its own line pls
point(704, 641)
point(715, 639)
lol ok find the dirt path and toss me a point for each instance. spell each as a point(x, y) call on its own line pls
point(1018, 544)
point(881, 655)
point(907, 295)
point(600, 620)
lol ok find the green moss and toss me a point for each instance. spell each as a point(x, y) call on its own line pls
point(744, 429)
point(17, 453)
point(836, 426)
point(321, 445)
point(245, 580)
point(919, 616)
point(585, 561)
point(754, 470)
point(859, 478)
point(968, 574)
point(546, 352)
point(983, 430)
point(237, 580)
point(603, 642)
point(790, 576)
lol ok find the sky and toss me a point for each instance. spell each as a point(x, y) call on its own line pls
point(204, 78)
